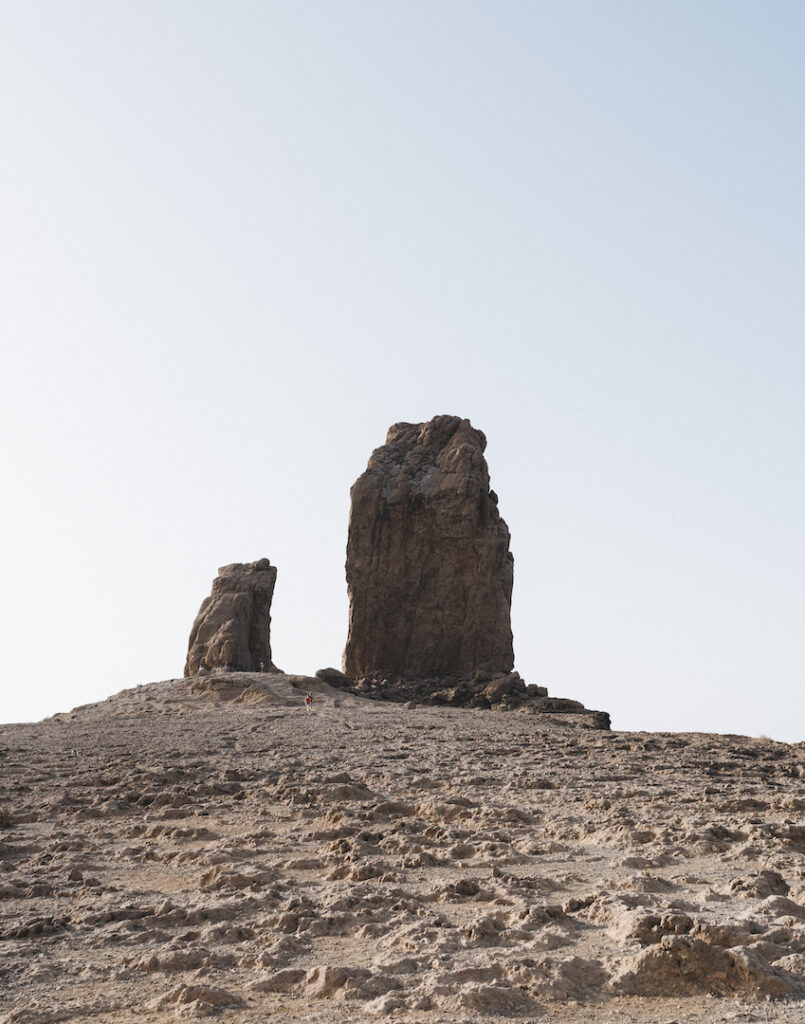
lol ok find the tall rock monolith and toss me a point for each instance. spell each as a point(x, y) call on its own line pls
point(232, 629)
point(429, 571)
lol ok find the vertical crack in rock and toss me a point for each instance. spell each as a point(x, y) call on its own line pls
point(429, 570)
point(232, 628)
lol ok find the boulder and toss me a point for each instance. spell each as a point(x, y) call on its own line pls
point(334, 678)
point(503, 686)
point(682, 966)
point(232, 629)
point(429, 571)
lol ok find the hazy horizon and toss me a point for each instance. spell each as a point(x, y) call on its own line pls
point(243, 240)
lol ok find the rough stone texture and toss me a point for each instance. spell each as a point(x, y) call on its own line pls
point(209, 847)
point(688, 966)
point(334, 678)
point(429, 570)
point(232, 628)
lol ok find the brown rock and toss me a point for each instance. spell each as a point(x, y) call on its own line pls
point(334, 678)
point(764, 883)
point(429, 570)
point(681, 966)
point(232, 629)
point(503, 686)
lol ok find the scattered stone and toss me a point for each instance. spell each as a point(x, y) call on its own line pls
point(371, 860)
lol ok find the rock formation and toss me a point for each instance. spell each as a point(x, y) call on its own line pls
point(429, 571)
point(232, 628)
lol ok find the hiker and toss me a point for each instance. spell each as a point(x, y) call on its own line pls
point(309, 703)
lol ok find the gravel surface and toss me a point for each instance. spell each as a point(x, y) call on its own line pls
point(210, 848)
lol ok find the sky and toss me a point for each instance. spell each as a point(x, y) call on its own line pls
point(241, 239)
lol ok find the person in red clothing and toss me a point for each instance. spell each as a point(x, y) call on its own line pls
point(309, 702)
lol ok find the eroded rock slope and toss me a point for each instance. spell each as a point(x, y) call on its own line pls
point(208, 847)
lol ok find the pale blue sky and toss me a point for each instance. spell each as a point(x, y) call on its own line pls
point(242, 239)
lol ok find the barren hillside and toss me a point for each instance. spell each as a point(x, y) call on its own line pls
point(208, 847)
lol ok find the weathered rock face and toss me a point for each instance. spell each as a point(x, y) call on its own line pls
point(429, 571)
point(232, 628)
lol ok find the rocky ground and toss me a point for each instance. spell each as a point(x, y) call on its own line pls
point(208, 847)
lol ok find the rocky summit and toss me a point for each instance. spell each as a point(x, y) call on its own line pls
point(209, 847)
point(257, 846)
point(429, 571)
point(232, 629)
